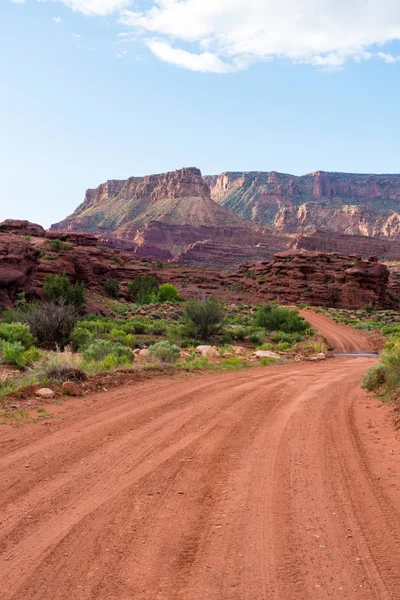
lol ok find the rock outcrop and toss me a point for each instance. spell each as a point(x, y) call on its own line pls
point(328, 241)
point(21, 227)
point(322, 279)
point(18, 265)
point(347, 203)
point(290, 277)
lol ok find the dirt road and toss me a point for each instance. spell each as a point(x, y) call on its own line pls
point(341, 338)
point(277, 483)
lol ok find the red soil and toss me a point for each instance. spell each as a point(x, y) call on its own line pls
point(277, 483)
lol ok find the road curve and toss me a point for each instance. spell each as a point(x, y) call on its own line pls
point(276, 483)
point(340, 337)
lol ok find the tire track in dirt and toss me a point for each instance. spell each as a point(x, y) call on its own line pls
point(253, 485)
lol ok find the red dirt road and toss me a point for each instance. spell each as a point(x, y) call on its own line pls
point(341, 338)
point(278, 483)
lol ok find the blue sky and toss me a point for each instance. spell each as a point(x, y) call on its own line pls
point(189, 84)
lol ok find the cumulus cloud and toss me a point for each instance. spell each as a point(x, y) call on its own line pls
point(229, 34)
point(221, 36)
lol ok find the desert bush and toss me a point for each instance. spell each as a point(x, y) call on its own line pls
point(16, 332)
point(81, 337)
point(168, 293)
point(257, 336)
point(283, 346)
point(164, 352)
point(139, 326)
point(207, 317)
point(97, 326)
point(390, 362)
point(111, 287)
point(276, 318)
point(118, 335)
point(266, 346)
point(290, 338)
point(144, 289)
point(99, 349)
point(58, 288)
point(374, 378)
point(267, 360)
point(239, 333)
point(159, 328)
point(51, 324)
point(12, 353)
point(61, 367)
point(58, 246)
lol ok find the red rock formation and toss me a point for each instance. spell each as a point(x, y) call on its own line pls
point(21, 227)
point(18, 263)
point(291, 277)
point(328, 241)
point(321, 279)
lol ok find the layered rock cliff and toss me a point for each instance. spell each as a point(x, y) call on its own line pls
point(290, 277)
point(343, 202)
point(224, 219)
point(158, 215)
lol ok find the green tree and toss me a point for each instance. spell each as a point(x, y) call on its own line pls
point(144, 289)
point(206, 318)
point(168, 293)
point(59, 288)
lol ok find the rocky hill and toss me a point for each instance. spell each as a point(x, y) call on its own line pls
point(225, 219)
point(319, 278)
point(342, 202)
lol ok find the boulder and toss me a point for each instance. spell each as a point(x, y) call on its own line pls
point(267, 354)
point(239, 350)
point(69, 388)
point(208, 352)
point(46, 393)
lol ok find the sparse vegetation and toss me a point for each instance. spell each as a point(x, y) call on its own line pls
point(165, 352)
point(111, 287)
point(205, 319)
point(276, 318)
point(58, 288)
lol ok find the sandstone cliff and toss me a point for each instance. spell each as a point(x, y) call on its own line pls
point(344, 202)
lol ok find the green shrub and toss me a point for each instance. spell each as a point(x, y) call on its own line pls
point(16, 332)
point(239, 333)
point(206, 317)
point(99, 349)
point(283, 346)
point(144, 289)
point(12, 353)
point(257, 336)
point(374, 378)
point(159, 328)
point(118, 335)
point(51, 324)
point(266, 346)
point(164, 352)
point(111, 287)
point(275, 318)
point(290, 338)
point(32, 355)
point(139, 326)
point(266, 361)
point(58, 288)
point(58, 246)
point(97, 326)
point(111, 361)
point(61, 367)
point(81, 337)
point(168, 293)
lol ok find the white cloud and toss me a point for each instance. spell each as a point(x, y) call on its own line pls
point(122, 54)
point(57, 20)
point(230, 34)
point(206, 62)
point(76, 35)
